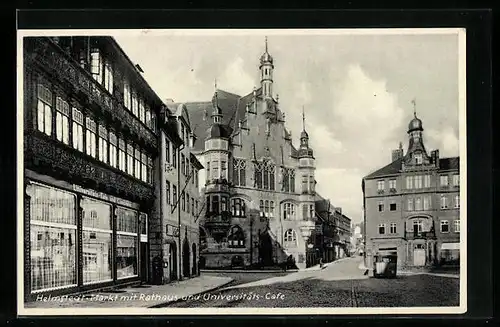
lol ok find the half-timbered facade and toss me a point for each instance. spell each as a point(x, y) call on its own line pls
point(89, 146)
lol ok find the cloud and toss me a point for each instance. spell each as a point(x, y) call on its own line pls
point(303, 94)
point(236, 79)
point(343, 188)
point(445, 140)
point(368, 119)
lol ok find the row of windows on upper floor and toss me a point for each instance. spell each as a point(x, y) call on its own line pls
point(422, 203)
point(418, 227)
point(87, 136)
point(418, 182)
point(102, 70)
point(187, 168)
point(264, 175)
point(187, 203)
point(217, 204)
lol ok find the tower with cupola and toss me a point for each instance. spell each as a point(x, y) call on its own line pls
point(307, 180)
point(217, 152)
point(416, 155)
point(266, 74)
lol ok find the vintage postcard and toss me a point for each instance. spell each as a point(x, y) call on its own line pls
point(172, 172)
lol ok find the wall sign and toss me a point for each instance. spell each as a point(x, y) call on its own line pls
point(172, 230)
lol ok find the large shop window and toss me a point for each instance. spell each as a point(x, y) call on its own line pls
point(126, 243)
point(52, 238)
point(96, 241)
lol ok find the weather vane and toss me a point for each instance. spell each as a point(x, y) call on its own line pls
point(414, 102)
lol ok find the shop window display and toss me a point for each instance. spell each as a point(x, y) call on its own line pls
point(52, 238)
point(96, 241)
point(126, 243)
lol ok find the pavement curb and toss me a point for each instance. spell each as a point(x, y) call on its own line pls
point(248, 271)
point(161, 305)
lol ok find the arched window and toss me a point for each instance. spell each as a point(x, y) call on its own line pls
point(238, 207)
point(236, 238)
point(288, 211)
point(290, 238)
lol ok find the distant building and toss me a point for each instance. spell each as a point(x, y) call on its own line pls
point(332, 230)
point(412, 205)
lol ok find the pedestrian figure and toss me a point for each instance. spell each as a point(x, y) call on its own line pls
point(321, 263)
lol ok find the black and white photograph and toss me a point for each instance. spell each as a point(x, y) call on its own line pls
point(263, 171)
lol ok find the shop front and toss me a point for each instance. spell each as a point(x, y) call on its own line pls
point(78, 240)
point(449, 254)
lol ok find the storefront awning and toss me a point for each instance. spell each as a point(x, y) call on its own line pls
point(450, 246)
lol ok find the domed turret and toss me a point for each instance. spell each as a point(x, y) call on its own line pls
point(304, 135)
point(218, 131)
point(415, 124)
point(266, 58)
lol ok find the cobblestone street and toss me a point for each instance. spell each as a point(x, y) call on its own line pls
point(341, 284)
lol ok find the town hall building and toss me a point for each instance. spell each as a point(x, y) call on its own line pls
point(259, 189)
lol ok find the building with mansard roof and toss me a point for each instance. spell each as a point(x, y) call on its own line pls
point(259, 188)
point(412, 205)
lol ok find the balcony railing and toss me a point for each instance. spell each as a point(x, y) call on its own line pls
point(53, 59)
point(414, 234)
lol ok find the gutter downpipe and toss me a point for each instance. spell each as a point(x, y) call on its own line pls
point(181, 264)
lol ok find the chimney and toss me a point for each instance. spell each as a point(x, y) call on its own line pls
point(435, 158)
point(397, 154)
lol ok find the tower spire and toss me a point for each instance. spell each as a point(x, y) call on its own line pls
point(217, 114)
point(303, 119)
point(266, 42)
point(215, 94)
point(414, 102)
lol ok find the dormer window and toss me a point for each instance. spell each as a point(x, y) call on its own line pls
point(418, 158)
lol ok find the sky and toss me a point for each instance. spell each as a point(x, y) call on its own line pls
point(356, 90)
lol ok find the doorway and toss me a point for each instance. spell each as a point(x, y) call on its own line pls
point(144, 262)
point(173, 261)
point(185, 258)
point(195, 266)
point(419, 255)
point(266, 249)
